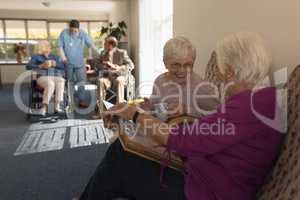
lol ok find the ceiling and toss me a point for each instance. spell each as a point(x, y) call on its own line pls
point(89, 5)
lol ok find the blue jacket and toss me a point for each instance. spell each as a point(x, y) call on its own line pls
point(36, 60)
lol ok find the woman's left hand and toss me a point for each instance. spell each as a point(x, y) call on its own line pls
point(53, 64)
point(122, 110)
point(176, 109)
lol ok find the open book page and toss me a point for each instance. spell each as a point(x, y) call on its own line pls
point(135, 142)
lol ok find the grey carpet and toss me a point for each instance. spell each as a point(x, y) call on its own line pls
point(59, 174)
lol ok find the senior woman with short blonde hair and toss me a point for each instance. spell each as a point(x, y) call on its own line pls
point(180, 88)
point(227, 154)
point(50, 70)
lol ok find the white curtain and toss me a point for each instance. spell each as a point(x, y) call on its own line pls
point(155, 28)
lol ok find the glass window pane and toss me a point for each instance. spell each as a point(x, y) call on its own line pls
point(56, 28)
point(1, 29)
point(84, 26)
point(86, 52)
point(95, 29)
point(15, 29)
point(2, 52)
point(32, 47)
point(54, 47)
point(10, 47)
point(99, 45)
point(37, 30)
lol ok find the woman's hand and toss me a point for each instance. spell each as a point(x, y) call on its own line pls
point(53, 63)
point(123, 110)
point(45, 65)
point(146, 105)
point(176, 109)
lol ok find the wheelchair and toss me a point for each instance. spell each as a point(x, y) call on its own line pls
point(129, 92)
point(36, 98)
point(95, 74)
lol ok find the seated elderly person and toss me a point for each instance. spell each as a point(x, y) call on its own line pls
point(114, 66)
point(50, 70)
point(180, 89)
point(227, 154)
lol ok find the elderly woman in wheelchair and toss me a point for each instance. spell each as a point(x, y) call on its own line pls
point(50, 70)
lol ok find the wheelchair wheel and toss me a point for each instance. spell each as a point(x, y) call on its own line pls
point(69, 100)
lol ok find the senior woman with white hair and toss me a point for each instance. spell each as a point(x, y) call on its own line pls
point(180, 89)
point(50, 70)
point(227, 154)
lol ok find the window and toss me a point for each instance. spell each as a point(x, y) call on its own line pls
point(2, 52)
point(95, 28)
point(2, 44)
point(55, 28)
point(85, 27)
point(37, 30)
point(15, 34)
point(156, 27)
point(1, 29)
point(15, 29)
point(29, 32)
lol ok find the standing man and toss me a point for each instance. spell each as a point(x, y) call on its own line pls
point(115, 66)
point(71, 43)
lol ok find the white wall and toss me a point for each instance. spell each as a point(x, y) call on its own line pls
point(66, 15)
point(121, 12)
point(134, 35)
point(9, 73)
point(207, 21)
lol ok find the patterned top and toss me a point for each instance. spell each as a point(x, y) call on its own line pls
point(196, 95)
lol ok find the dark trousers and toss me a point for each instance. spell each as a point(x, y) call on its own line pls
point(122, 174)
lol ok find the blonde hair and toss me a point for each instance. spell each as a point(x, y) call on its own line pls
point(246, 53)
point(178, 47)
point(42, 46)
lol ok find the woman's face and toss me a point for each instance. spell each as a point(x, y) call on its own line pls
point(47, 50)
point(180, 68)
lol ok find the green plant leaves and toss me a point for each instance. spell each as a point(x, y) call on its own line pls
point(117, 30)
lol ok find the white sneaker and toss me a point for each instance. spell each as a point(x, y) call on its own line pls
point(58, 109)
point(42, 111)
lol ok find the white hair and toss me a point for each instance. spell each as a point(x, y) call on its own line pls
point(246, 53)
point(112, 40)
point(42, 46)
point(178, 47)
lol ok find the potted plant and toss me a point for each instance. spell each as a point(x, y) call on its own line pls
point(20, 51)
point(118, 30)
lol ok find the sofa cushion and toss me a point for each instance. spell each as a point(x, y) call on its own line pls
point(284, 182)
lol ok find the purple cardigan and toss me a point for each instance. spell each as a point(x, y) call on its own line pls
point(229, 153)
